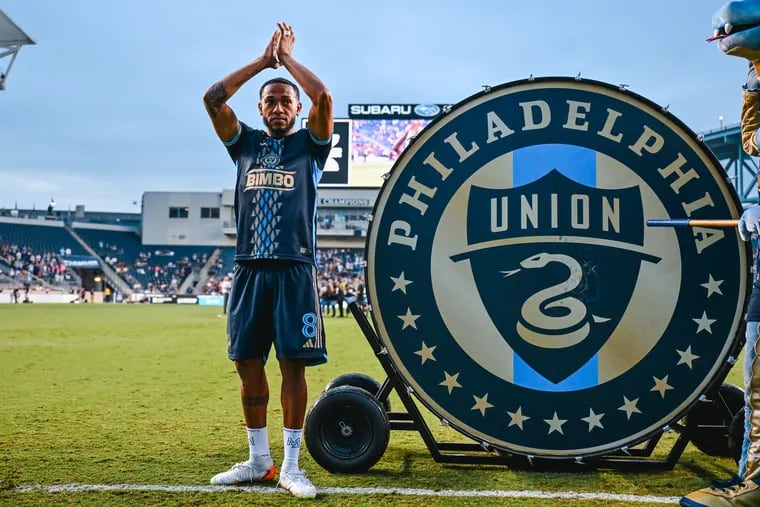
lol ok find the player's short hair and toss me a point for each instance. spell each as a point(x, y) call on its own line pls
point(279, 80)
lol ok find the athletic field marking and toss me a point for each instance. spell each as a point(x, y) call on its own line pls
point(571, 495)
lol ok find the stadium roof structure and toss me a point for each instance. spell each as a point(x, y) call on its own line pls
point(11, 40)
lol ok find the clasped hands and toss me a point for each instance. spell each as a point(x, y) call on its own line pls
point(280, 44)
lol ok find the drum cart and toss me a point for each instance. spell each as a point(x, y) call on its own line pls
point(353, 439)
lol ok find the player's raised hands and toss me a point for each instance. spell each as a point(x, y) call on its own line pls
point(287, 39)
point(271, 51)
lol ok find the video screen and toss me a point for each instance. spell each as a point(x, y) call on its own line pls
point(375, 146)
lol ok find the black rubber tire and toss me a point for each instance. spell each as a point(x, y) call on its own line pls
point(346, 430)
point(736, 435)
point(361, 381)
point(708, 422)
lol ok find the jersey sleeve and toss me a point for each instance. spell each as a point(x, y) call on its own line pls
point(320, 150)
point(235, 145)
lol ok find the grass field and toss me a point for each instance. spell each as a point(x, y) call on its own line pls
point(144, 394)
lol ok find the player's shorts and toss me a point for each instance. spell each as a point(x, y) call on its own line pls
point(275, 302)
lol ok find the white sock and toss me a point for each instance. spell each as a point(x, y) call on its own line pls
point(292, 441)
point(258, 444)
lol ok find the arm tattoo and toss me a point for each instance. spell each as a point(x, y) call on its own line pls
point(255, 400)
point(215, 98)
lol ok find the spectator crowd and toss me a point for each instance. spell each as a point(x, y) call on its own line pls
point(340, 273)
point(23, 265)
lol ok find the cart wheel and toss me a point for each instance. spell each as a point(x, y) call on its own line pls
point(347, 431)
point(736, 435)
point(708, 422)
point(361, 381)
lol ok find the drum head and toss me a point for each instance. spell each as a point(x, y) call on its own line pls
point(517, 287)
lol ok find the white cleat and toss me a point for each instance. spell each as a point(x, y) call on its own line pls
point(245, 471)
point(297, 483)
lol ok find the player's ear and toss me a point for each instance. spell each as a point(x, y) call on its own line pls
point(298, 108)
point(261, 111)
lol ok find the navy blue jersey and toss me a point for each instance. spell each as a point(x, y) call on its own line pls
point(276, 194)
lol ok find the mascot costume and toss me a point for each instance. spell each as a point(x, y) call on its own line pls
point(737, 29)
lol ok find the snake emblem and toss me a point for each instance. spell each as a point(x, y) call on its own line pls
point(560, 329)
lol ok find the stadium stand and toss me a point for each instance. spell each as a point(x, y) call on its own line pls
point(21, 266)
point(163, 268)
point(226, 260)
point(45, 237)
point(117, 248)
point(222, 267)
point(31, 256)
point(151, 268)
point(129, 256)
point(38, 250)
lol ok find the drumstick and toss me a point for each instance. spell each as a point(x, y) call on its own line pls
point(692, 222)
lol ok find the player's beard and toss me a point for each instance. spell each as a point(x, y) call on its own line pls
point(278, 132)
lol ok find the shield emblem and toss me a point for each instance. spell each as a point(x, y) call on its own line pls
point(555, 303)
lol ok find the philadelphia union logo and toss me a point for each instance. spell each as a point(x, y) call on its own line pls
point(517, 287)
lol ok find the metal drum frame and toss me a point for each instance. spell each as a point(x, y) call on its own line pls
point(638, 457)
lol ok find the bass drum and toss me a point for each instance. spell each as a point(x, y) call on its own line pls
point(515, 283)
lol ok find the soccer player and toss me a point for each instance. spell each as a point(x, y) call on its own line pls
point(274, 297)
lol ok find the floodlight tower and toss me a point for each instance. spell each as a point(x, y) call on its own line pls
point(11, 40)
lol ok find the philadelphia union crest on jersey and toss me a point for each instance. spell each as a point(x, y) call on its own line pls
point(517, 287)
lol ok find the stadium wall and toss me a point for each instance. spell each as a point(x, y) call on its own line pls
point(176, 218)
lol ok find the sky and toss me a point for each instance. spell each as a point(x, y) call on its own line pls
point(108, 104)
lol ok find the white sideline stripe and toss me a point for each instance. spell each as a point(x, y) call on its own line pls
point(571, 495)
